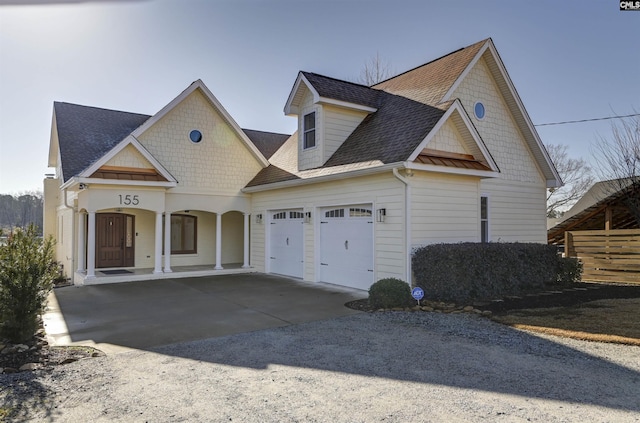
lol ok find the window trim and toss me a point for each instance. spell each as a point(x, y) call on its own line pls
point(195, 234)
point(484, 222)
point(306, 130)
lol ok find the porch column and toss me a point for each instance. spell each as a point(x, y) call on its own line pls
point(218, 242)
point(158, 259)
point(91, 247)
point(81, 242)
point(245, 264)
point(167, 243)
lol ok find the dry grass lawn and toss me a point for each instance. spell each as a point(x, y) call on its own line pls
point(613, 320)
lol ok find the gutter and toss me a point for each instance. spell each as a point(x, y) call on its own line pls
point(324, 178)
point(73, 235)
point(407, 222)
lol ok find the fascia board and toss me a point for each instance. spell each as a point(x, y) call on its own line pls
point(346, 105)
point(324, 178)
point(130, 140)
point(289, 107)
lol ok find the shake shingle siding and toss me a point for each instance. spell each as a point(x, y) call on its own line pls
point(86, 134)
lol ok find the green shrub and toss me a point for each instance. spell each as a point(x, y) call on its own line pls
point(569, 270)
point(389, 293)
point(481, 271)
point(27, 271)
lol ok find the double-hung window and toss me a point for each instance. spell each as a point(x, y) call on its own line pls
point(484, 219)
point(309, 130)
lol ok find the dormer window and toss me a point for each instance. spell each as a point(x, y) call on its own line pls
point(309, 130)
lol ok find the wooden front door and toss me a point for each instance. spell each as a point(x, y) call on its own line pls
point(114, 240)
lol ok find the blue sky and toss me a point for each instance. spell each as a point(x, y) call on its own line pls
point(569, 60)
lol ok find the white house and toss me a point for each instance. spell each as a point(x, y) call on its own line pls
point(444, 152)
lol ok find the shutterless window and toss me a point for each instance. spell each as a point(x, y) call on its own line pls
point(484, 219)
point(183, 234)
point(309, 130)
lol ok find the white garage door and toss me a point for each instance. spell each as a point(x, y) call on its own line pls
point(286, 242)
point(346, 246)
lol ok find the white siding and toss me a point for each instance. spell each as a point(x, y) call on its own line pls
point(517, 211)
point(339, 123)
point(383, 191)
point(444, 208)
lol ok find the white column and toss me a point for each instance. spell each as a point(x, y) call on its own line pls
point(245, 264)
point(158, 259)
point(81, 242)
point(91, 247)
point(218, 242)
point(167, 243)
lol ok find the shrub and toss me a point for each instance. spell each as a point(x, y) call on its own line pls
point(389, 293)
point(569, 270)
point(472, 271)
point(27, 271)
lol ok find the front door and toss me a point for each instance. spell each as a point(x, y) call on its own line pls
point(114, 240)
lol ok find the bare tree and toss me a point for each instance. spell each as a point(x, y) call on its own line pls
point(577, 178)
point(375, 70)
point(618, 158)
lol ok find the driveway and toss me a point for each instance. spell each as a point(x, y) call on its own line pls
point(146, 314)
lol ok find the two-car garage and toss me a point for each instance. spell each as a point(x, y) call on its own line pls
point(344, 246)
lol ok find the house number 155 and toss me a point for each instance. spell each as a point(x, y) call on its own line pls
point(129, 200)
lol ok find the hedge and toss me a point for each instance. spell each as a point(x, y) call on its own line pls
point(482, 271)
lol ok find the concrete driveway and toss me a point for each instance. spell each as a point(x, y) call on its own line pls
point(146, 314)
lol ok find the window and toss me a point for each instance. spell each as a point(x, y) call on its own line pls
point(478, 110)
point(281, 215)
point(309, 130)
point(334, 213)
point(484, 219)
point(183, 234)
point(357, 212)
point(296, 215)
point(195, 136)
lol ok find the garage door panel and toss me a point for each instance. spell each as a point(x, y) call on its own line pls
point(286, 244)
point(346, 256)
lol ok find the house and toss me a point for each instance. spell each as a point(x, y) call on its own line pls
point(444, 152)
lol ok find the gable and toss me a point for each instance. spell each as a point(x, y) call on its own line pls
point(498, 128)
point(222, 160)
point(448, 139)
point(129, 157)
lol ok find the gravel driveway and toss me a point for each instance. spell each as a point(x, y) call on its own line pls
point(381, 367)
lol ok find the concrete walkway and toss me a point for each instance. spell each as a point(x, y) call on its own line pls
point(146, 314)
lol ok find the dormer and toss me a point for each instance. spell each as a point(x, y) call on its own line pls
point(328, 111)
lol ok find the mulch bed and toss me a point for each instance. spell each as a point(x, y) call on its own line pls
point(578, 293)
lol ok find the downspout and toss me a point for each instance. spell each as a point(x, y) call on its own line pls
point(73, 236)
point(407, 222)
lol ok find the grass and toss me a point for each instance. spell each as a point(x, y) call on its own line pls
point(614, 320)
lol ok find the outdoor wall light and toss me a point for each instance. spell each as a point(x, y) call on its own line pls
point(259, 218)
point(380, 215)
point(307, 217)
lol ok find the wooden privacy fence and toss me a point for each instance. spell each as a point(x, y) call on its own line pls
point(607, 256)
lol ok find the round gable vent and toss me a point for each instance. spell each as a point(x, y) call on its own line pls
point(195, 136)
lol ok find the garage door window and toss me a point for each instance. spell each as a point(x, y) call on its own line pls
point(334, 213)
point(357, 212)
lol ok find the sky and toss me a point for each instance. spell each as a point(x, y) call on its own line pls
point(569, 60)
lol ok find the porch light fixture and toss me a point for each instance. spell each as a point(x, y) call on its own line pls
point(380, 215)
point(307, 217)
point(259, 218)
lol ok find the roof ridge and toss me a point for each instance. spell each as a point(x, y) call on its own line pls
point(431, 61)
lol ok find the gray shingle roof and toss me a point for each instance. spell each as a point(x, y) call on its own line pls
point(85, 134)
point(271, 174)
point(267, 142)
point(343, 90)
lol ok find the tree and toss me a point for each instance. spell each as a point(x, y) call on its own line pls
point(27, 273)
point(618, 158)
point(375, 70)
point(577, 177)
